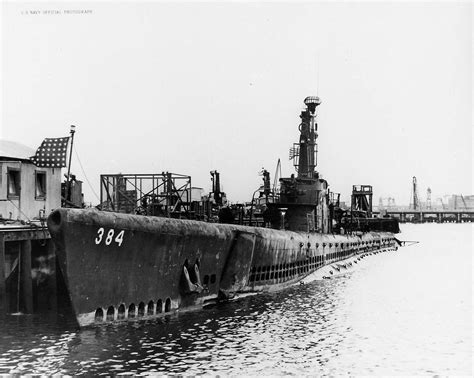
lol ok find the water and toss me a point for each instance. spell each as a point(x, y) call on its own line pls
point(398, 313)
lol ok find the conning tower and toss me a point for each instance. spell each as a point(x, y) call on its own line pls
point(303, 202)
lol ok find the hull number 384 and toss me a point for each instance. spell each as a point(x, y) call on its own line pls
point(108, 237)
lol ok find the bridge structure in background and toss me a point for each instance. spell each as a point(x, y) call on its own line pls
point(428, 215)
point(457, 209)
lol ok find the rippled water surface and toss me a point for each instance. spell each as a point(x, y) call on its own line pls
point(406, 312)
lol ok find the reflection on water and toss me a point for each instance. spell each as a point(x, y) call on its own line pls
point(405, 312)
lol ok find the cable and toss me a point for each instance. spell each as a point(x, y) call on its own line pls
point(85, 176)
point(26, 216)
point(30, 222)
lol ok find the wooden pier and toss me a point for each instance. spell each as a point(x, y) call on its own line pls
point(28, 274)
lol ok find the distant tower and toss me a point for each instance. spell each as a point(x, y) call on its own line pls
point(416, 202)
point(391, 203)
point(428, 198)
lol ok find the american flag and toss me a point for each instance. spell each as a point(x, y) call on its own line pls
point(52, 153)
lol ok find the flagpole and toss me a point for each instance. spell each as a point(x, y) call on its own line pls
point(69, 167)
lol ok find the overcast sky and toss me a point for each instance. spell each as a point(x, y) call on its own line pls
point(193, 87)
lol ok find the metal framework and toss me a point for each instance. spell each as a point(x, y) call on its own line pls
point(361, 199)
point(428, 198)
point(166, 194)
point(415, 198)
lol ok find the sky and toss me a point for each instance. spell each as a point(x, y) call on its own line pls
point(193, 87)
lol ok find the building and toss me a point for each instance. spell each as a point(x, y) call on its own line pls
point(27, 259)
point(26, 191)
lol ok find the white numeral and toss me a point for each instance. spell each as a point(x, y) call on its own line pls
point(110, 236)
point(100, 233)
point(119, 238)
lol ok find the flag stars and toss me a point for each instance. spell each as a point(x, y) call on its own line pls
point(51, 153)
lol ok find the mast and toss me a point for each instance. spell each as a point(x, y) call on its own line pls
point(216, 187)
point(307, 145)
point(68, 194)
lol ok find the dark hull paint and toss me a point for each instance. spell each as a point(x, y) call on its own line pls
point(144, 266)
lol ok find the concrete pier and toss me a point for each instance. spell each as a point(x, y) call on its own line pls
point(439, 216)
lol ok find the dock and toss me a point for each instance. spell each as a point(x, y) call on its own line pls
point(431, 216)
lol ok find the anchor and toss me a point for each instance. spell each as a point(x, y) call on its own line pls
point(189, 286)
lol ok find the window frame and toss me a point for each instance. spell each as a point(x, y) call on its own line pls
point(17, 183)
point(41, 197)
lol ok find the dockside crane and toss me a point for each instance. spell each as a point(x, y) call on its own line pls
point(463, 201)
point(456, 202)
point(387, 203)
point(443, 206)
point(414, 196)
point(428, 198)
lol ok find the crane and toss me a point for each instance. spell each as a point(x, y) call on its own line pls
point(390, 203)
point(442, 203)
point(428, 198)
point(416, 201)
point(463, 201)
point(456, 201)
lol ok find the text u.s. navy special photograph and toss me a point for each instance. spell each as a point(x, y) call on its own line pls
point(236, 188)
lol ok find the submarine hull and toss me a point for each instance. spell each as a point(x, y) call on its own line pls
point(119, 266)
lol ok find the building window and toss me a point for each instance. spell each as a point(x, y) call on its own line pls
point(40, 185)
point(13, 183)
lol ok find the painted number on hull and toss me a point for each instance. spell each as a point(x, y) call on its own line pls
point(109, 237)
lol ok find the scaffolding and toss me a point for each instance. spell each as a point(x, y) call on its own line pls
point(165, 194)
point(361, 199)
